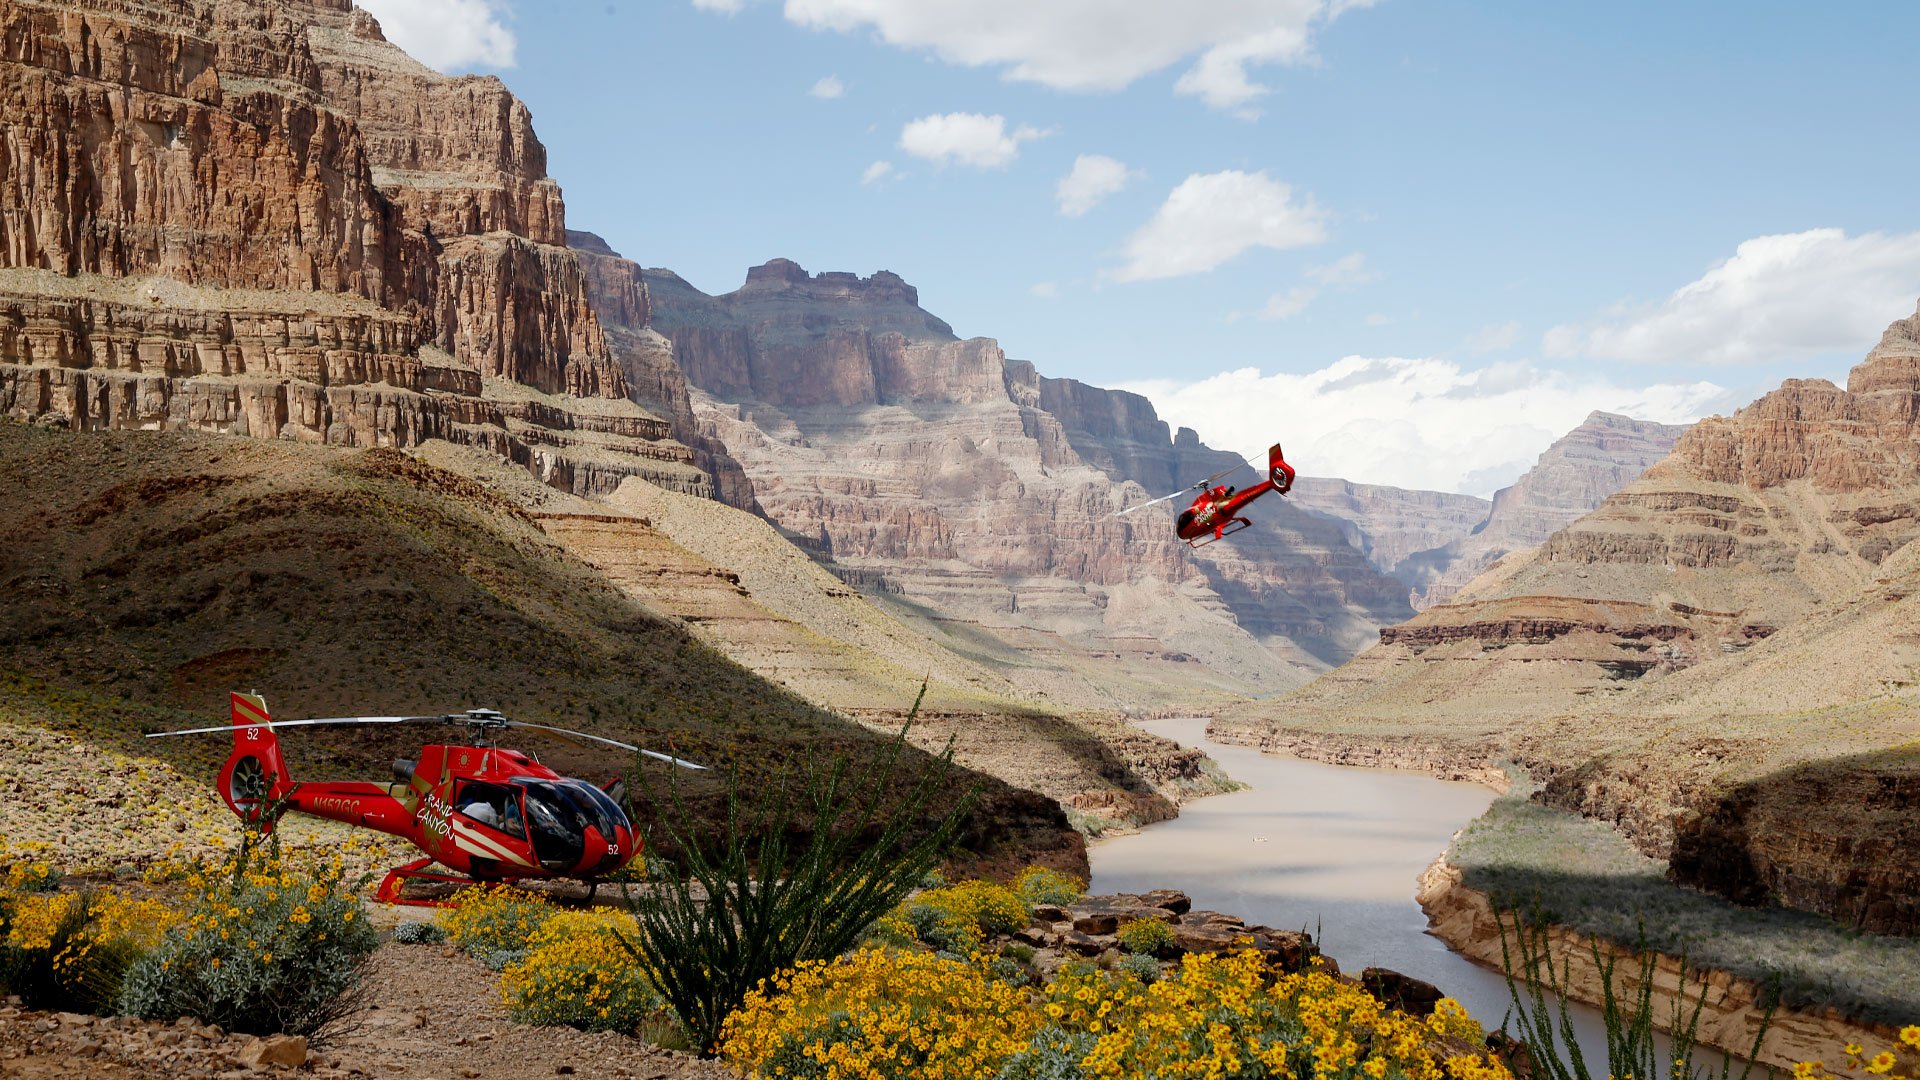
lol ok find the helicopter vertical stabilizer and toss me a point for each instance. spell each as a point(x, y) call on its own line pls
point(255, 774)
point(1278, 471)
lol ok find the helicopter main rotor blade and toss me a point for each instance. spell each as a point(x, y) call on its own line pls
point(228, 728)
point(1208, 482)
point(568, 733)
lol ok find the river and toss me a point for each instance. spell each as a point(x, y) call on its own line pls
point(1331, 849)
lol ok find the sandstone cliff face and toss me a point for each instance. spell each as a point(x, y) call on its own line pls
point(1723, 659)
point(970, 491)
point(1390, 524)
point(1601, 456)
point(263, 219)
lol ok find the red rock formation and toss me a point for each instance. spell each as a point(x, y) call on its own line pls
point(971, 486)
point(263, 219)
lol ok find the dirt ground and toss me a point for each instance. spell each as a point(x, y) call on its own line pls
point(433, 1014)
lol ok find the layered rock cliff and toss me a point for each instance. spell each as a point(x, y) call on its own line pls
point(263, 219)
point(1723, 659)
point(1601, 456)
point(972, 493)
point(1390, 524)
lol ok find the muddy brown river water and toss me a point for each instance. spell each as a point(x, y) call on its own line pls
point(1328, 848)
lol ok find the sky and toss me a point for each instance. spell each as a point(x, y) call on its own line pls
point(1412, 240)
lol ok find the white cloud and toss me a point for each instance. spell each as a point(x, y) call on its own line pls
point(982, 142)
point(1493, 336)
point(877, 172)
point(1045, 290)
point(724, 7)
point(1414, 423)
point(1346, 270)
point(1779, 298)
point(1212, 217)
point(448, 35)
point(1090, 45)
point(1093, 178)
point(1285, 305)
point(829, 88)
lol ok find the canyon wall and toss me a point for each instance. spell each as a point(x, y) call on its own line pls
point(1601, 456)
point(970, 492)
point(1391, 524)
point(263, 219)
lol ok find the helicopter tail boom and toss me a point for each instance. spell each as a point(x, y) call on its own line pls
point(255, 775)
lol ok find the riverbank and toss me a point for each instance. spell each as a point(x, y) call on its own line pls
point(1733, 1007)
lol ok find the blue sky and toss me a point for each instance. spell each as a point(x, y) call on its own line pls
point(1441, 234)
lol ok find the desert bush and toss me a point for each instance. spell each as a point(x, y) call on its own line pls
point(576, 974)
point(959, 918)
point(761, 901)
point(419, 933)
point(266, 947)
point(71, 951)
point(880, 1016)
point(1141, 966)
point(27, 867)
point(1039, 885)
point(1148, 937)
point(493, 923)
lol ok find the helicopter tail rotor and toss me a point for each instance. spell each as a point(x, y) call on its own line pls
point(255, 774)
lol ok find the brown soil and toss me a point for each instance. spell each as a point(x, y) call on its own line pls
point(433, 1012)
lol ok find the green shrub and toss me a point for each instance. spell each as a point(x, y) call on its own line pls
point(575, 974)
point(267, 948)
point(419, 933)
point(70, 951)
point(1018, 951)
point(1147, 937)
point(493, 923)
point(1039, 885)
point(1053, 1055)
point(1142, 967)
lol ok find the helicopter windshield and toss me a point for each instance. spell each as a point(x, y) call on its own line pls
point(560, 812)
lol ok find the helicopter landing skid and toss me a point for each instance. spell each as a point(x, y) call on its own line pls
point(1226, 530)
point(397, 878)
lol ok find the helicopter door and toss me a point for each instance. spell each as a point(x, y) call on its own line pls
point(492, 805)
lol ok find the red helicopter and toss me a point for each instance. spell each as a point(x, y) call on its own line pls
point(1215, 511)
point(482, 811)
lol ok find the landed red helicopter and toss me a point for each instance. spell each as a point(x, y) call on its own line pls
point(485, 812)
point(1215, 512)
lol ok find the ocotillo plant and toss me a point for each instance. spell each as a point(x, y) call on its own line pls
point(756, 901)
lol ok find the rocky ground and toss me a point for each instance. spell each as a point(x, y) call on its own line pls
point(432, 1013)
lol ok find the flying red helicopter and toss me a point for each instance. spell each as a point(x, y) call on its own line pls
point(1215, 511)
point(482, 811)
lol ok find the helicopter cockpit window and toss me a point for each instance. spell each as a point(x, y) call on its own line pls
point(491, 805)
point(561, 812)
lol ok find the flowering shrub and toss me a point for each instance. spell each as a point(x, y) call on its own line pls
point(27, 867)
point(494, 924)
point(957, 918)
point(575, 973)
point(265, 947)
point(71, 951)
point(1900, 1063)
point(1039, 885)
point(878, 1015)
point(1145, 936)
point(1142, 967)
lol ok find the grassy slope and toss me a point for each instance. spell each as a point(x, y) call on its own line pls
point(159, 571)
